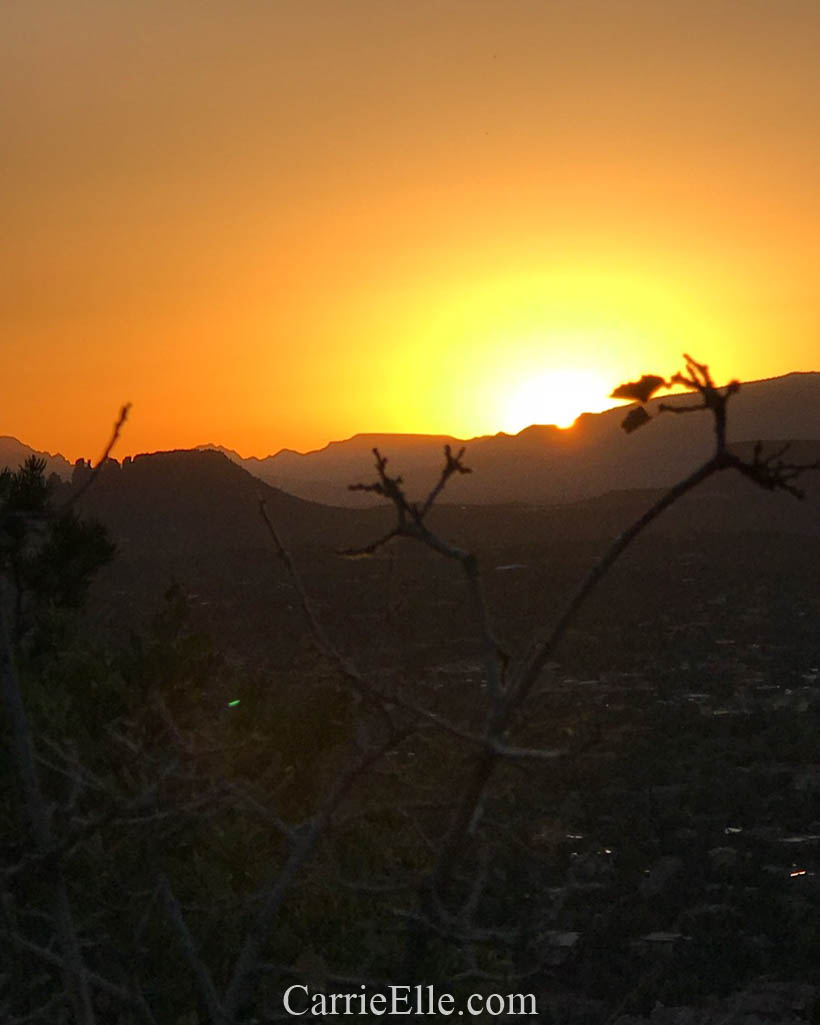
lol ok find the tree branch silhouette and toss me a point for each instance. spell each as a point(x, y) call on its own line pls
point(112, 441)
point(410, 523)
point(770, 472)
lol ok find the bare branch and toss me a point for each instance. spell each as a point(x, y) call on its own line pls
point(248, 963)
point(387, 486)
point(204, 982)
point(543, 650)
point(410, 524)
point(771, 472)
point(391, 487)
point(98, 981)
point(452, 464)
point(477, 890)
point(118, 426)
point(287, 831)
point(369, 549)
point(664, 407)
point(346, 666)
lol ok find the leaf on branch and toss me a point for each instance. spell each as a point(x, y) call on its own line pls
point(639, 391)
point(634, 419)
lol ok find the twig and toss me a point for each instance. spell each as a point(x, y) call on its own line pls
point(239, 991)
point(452, 465)
point(368, 549)
point(204, 982)
point(98, 981)
point(410, 523)
point(770, 472)
point(543, 650)
point(345, 666)
point(118, 426)
point(287, 831)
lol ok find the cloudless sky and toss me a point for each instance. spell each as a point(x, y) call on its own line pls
point(274, 223)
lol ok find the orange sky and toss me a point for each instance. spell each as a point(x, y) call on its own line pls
point(273, 223)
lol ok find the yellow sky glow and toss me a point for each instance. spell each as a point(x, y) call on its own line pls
point(273, 225)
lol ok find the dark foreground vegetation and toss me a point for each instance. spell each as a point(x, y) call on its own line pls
point(238, 762)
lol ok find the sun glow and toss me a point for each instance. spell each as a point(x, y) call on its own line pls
point(556, 397)
point(539, 346)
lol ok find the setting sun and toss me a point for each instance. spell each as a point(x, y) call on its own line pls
point(463, 220)
point(556, 397)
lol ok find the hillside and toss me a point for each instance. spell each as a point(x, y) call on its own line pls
point(543, 464)
point(194, 516)
point(14, 453)
point(188, 502)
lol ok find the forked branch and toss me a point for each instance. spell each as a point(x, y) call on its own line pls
point(411, 523)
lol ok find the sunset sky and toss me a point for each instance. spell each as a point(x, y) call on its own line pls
point(273, 223)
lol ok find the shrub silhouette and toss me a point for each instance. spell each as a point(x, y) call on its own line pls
point(48, 555)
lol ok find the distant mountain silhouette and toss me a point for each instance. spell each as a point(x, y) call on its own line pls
point(193, 516)
point(541, 465)
point(546, 465)
point(14, 453)
point(187, 500)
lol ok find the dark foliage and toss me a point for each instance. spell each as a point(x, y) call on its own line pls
point(49, 554)
point(639, 391)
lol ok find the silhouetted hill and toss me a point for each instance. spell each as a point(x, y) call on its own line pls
point(543, 464)
point(14, 453)
point(193, 516)
point(193, 500)
point(324, 475)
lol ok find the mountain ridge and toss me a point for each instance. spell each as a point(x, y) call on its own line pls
point(13, 453)
point(540, 465)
